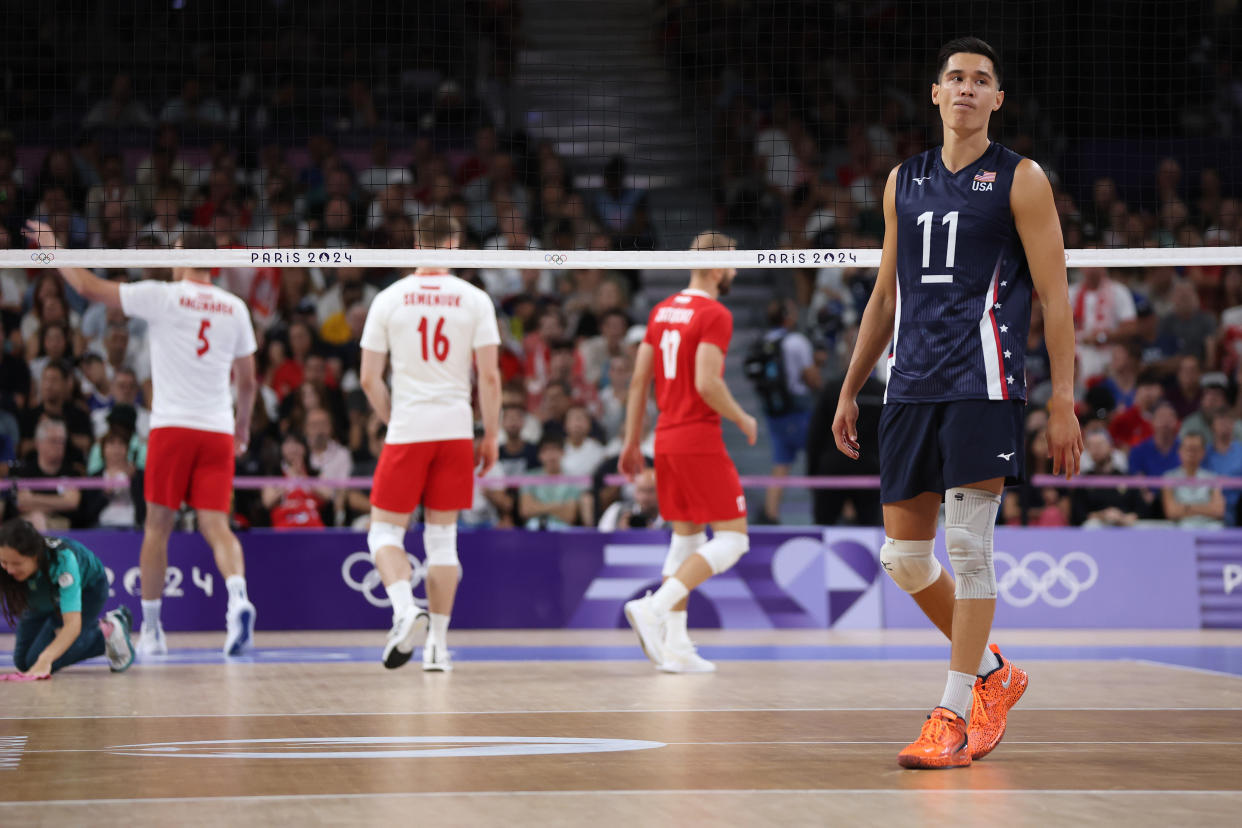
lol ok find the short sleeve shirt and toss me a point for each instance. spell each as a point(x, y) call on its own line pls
point(195, 331)
point(74, 567)
point(675, 329)
point(430, 325)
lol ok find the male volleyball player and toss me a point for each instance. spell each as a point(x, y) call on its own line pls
point(696, 483)
point(199, 335)
point(969, 226)
point(436, 327)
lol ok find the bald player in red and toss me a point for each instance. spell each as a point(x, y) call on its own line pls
point(684, 349)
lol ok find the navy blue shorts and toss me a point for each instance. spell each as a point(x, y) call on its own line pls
point(788, 433)
point(932, 447)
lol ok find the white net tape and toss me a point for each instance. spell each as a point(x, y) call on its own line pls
point(564, 259)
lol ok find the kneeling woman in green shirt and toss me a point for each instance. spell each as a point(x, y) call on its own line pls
point(53, 590)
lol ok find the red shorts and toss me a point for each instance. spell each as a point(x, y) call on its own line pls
point(438, 474)
point(186, 465)
point(698, 488)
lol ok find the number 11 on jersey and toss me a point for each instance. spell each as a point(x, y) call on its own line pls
point(670, 341)
point(925, 219)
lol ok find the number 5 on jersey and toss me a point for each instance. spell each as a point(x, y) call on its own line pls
point(203, 345)
point(670, 341)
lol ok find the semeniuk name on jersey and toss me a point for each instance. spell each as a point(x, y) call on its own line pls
point(425, 298)
point(205, 303)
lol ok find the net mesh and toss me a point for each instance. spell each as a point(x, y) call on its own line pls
point(324, 124)
point(583, 145)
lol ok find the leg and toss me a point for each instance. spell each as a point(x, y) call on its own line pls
point(239, 618)
point(386, 540)
point(215, 529)
point(443, 573)
point(90, 641)
point(153, 559)
point(687, 538)
point(443, 568)
point(680, 654)
point(772, 495)
point(153, 563)
point(910, 529)
point(388, 546)
point(970, 518)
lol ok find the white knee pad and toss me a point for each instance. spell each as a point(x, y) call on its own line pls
point(724, 550)
point(970, 520)
point(440, 544)
point(680, 548)
point(384, 534)
point(911, 564)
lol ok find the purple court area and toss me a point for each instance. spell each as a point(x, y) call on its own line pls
point(1223, 660)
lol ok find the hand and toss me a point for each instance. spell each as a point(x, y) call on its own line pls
point(845, 427)
point(630, 463)
point(750, 428)
point(241, 439)
point(41, 234)
point(486, 455)
point(41, 667)
point(24, 500)
point(1064, 438)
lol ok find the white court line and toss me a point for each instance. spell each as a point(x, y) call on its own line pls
point(553, 712)
point(922, 792)
point(850, 742)
point(1204, 670)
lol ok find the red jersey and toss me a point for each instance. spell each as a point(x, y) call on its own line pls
point(675, 328)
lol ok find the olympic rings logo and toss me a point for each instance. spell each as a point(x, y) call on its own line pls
point(555, 258)
point(42, 257)
point(371, 580)
point(1039, 575)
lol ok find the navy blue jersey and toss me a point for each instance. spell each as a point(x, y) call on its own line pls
point(963, 284)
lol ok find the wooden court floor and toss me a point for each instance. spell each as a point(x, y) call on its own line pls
point(610, 742)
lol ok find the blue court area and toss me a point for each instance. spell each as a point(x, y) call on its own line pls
point(1218, 659)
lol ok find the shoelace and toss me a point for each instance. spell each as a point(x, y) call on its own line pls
point(934, 728)
point(978, 711)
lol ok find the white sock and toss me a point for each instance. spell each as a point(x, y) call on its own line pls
point(439, 628)
point(151, 613)
point(236, 585)
point(988, 663)
point(959, 694)
point(668, 595)
point(402, 596)
point(676, 632)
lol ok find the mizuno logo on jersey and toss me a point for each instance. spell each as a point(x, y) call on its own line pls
point(675, 316)
point(920, 181)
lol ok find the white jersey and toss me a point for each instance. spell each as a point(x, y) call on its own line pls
point(431, 326)
point(195, 331)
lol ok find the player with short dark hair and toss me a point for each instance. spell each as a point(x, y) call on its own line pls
point(697, 484)
point(970, 230)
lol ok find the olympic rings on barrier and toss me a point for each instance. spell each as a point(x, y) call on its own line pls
point(1038, 573)
point(555, 258)
point(42, 257)
point(371, 581)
